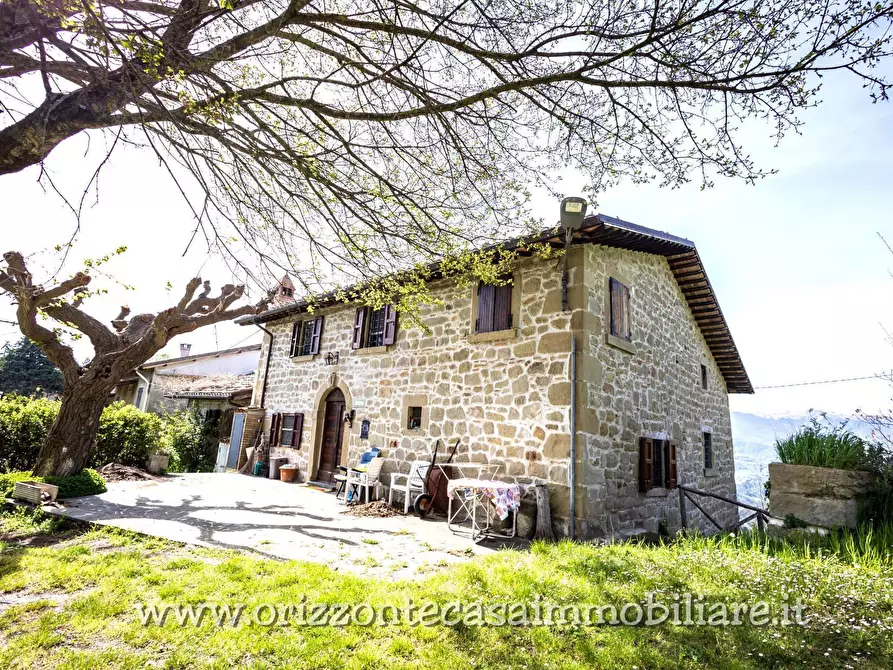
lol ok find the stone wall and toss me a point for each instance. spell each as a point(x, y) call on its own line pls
point(507, 395)
point(654, 391)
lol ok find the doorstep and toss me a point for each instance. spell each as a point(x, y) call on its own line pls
point(321, 485)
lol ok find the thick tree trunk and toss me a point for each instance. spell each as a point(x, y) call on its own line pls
point(66, 450)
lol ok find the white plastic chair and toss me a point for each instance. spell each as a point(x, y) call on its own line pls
point(406, 483)
point(365, 480)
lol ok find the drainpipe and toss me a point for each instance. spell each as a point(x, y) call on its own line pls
point(263, 389)
point(572, 470)
point(148, 386)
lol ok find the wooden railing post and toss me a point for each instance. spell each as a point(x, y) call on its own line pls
point(761, 524)
point(682, 517)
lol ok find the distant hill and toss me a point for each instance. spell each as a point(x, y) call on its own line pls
point(754, 438)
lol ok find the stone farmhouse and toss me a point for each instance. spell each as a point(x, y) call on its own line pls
point(654, 362)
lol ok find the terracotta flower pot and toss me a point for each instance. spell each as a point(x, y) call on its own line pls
point(288, 472)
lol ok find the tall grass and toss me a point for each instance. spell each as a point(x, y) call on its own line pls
point(824, 448)
point(869, 545)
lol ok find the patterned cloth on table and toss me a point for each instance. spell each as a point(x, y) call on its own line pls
point(504, 496)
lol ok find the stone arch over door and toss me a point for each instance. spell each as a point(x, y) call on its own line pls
point(319, 414)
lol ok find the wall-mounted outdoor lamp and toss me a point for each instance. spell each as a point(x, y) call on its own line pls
point(573, 211)
point(349, 417)
point(333, 357)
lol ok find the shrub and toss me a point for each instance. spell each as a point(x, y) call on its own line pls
point(126, 435)
point(186, 439)
point(24, 423)
point(878, 505)
point(86, 483)
point(824, 446)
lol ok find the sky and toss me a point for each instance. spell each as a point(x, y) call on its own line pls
point(801, 274)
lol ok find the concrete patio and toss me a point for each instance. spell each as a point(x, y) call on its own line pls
point(286, 521)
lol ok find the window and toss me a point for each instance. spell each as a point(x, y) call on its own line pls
point(289, 292)
point(657, 464)
point(703, 376)
point(286, 430)
point(621, 315)
point(305, 336)
point(374, 327)
point(139, 397)
point(494, 308)
point(708, 451)
point(415, 418)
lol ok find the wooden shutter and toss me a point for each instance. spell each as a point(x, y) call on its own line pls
point(486, 296)
point(672, 473)
point(621, 319)
point(299, 429)
point(626, 332)
point(646, 461)
point(502, 307)
point(274, 430)
point(390, 325)
point(295, 339)
point(358, 322)
point(317, 334)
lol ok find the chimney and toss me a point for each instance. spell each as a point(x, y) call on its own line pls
point(184, 350)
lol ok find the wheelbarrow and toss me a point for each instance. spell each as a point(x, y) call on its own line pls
point(435, 483)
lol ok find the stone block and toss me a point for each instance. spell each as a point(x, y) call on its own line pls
point(524, 349)
point(557, 446)
point(555, 343)
point(818, 496)
point(560, 393)
point(505, 430)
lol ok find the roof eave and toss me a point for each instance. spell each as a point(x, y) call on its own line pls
point(681, 254)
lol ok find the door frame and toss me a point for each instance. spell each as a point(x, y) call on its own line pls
point(320, 419)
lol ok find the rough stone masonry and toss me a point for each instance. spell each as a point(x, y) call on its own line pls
point(507, 394)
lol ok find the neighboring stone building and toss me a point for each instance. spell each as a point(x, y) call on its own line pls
point(654, 364)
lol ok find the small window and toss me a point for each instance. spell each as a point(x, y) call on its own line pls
point(621, 315)
point(703, 376)
point(494, 308)
point(657, 464)
point(288, 292)
point(374, 327)
point(286, 430)
point(414, 421)
point(305, 337)
point(708, 451)
point(139, 397)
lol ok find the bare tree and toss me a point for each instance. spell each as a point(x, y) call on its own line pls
point(118, 350)
point(344, 138)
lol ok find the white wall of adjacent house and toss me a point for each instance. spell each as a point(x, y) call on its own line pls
point(234, 363)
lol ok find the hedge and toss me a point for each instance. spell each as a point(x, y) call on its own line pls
point(125, 435)
point(24, 423)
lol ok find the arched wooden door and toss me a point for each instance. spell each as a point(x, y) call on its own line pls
point(332, 434)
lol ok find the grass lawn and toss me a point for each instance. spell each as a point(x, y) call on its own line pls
point(68, 599)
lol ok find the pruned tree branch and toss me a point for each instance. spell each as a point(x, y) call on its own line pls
point(132, 342)
point(342, 140)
